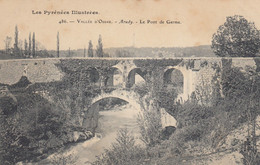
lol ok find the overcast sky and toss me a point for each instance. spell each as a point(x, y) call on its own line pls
point(199, 20)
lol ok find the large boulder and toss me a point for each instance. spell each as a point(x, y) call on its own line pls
point(167, 119)
point(75, 136)
point(168, 131)
point(88, 134)
point(81, 136)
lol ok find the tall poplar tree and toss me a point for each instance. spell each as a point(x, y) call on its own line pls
point(33, 45)
point(25, 47)
point(30, 45)
point(7, 43)
point(16, 49)
point(58, 44)
point(84, 51)
point(90, 49)
point(99, 50)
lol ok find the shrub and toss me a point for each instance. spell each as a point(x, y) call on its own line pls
point(149, 122)
point(124, 151)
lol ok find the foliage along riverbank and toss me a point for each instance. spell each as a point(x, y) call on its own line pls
point(205, 132)
point(31, 124)
point(34, 127)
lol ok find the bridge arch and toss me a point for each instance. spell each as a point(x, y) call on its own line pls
point(187, 81)
point(114, 78)
point(173, 78)
point(91, 115)
point(131, 78)
point(129, 96)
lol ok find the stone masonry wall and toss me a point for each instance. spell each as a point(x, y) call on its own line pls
point(198, 76)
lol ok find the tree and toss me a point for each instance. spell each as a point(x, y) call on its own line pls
point(30, 45)
point(25, 47)
point(7, 43)
point(70, 53)
point(20, 45)
point(84, 51)
point(236, 38)
point(58, 45)
point(99, 50)
point(16, 49)
point(33, 45)
point(249, 148)
point(90, 49)
point(123, 151)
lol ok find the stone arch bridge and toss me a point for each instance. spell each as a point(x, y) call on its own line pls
point(185, 75)
point(120, 73)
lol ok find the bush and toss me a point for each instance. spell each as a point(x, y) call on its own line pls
point(30, 130)
point(149, 122)
point(123, 152)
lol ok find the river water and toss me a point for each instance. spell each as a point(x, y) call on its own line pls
point(110, 122)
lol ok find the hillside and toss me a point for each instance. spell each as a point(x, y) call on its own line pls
point(198, 51)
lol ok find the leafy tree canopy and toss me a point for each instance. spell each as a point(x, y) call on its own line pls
point(236, 38)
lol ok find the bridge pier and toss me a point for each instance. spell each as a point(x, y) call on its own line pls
point(187, 84)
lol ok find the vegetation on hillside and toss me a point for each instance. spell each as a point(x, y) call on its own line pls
point(201, 127)
point(35, 123)
point(34, 127)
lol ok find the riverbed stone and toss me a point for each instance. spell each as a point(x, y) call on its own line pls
point(88, 134)
point(82, 136)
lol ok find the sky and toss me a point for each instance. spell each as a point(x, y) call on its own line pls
point(199, 20)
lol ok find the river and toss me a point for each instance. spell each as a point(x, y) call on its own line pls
point(110, 122)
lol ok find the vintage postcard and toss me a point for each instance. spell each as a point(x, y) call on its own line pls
point(129, 82)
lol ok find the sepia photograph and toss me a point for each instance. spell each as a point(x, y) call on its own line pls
point(129, 82)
